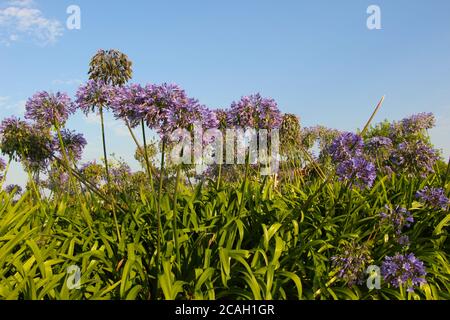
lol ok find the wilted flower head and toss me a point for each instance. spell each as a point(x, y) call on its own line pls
point(25, 142)
point(48, 109)
point(255, 112)
point(434, 197)
point(351, 263)
point(74, 143)
point(290, 131)
point(111, 67)
point(93, 94)
point(358, 171)
point(398, 218)
point(414, 158)
point(93, 172)
point(346, 146)
point(403, 269)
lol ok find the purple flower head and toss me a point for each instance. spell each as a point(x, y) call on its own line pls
point(93, 94)
point(351, 263)
point(433, 197)
point(404, 241)
point(376, 143)
point(13, 188)
point(49, 109)
point(74, 143)
point(346, 146)
point(222, 118)
point(414, 158)
point(358, 171)
point(132, 103)
point(255, 112)
point(404, 269)
point(398, 218)
point(418, 122)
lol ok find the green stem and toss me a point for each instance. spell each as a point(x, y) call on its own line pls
point(447, 173)
point(158, 215)
point(104, 145)
point(174, 221)
point(146, 157)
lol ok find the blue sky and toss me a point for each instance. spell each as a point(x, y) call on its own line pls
point(316, 58)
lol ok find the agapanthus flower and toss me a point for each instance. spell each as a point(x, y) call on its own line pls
point(358, 171)
point(414, 158)
point(351, 263)
point(398, 218)
point(404, 269)
point(93, 94)
point(93, 172)
point(255, 112)
point(418, 122)
point(403, 240)
point(74, 143)
point(57, 180)
point(345, 147)
point(111, 67)
point(290, 132)
point(13, 188)
point(132, 103)
point(48, 109)
point(222, 118)
point(376, 143)
point(433, 197)
point(26, 142)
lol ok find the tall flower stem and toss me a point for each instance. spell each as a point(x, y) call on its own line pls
point(147, 161)
point(65, 157)
point(447, 174)
point(104, 144)
point(174, 221)
point(158, 214)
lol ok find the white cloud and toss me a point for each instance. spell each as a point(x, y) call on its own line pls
point(68, 82)
point(21, 20)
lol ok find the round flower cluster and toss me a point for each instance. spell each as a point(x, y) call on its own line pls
point(351, 263)
point(256, 112)
point(74, 143)
point(48, 109)
point(347, 151)
point(433, 197)
point(398, 218)
point(93, 94)
point(403, 269)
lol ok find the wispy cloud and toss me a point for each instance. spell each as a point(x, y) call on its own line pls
point(68, 82)
point(20, 20)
